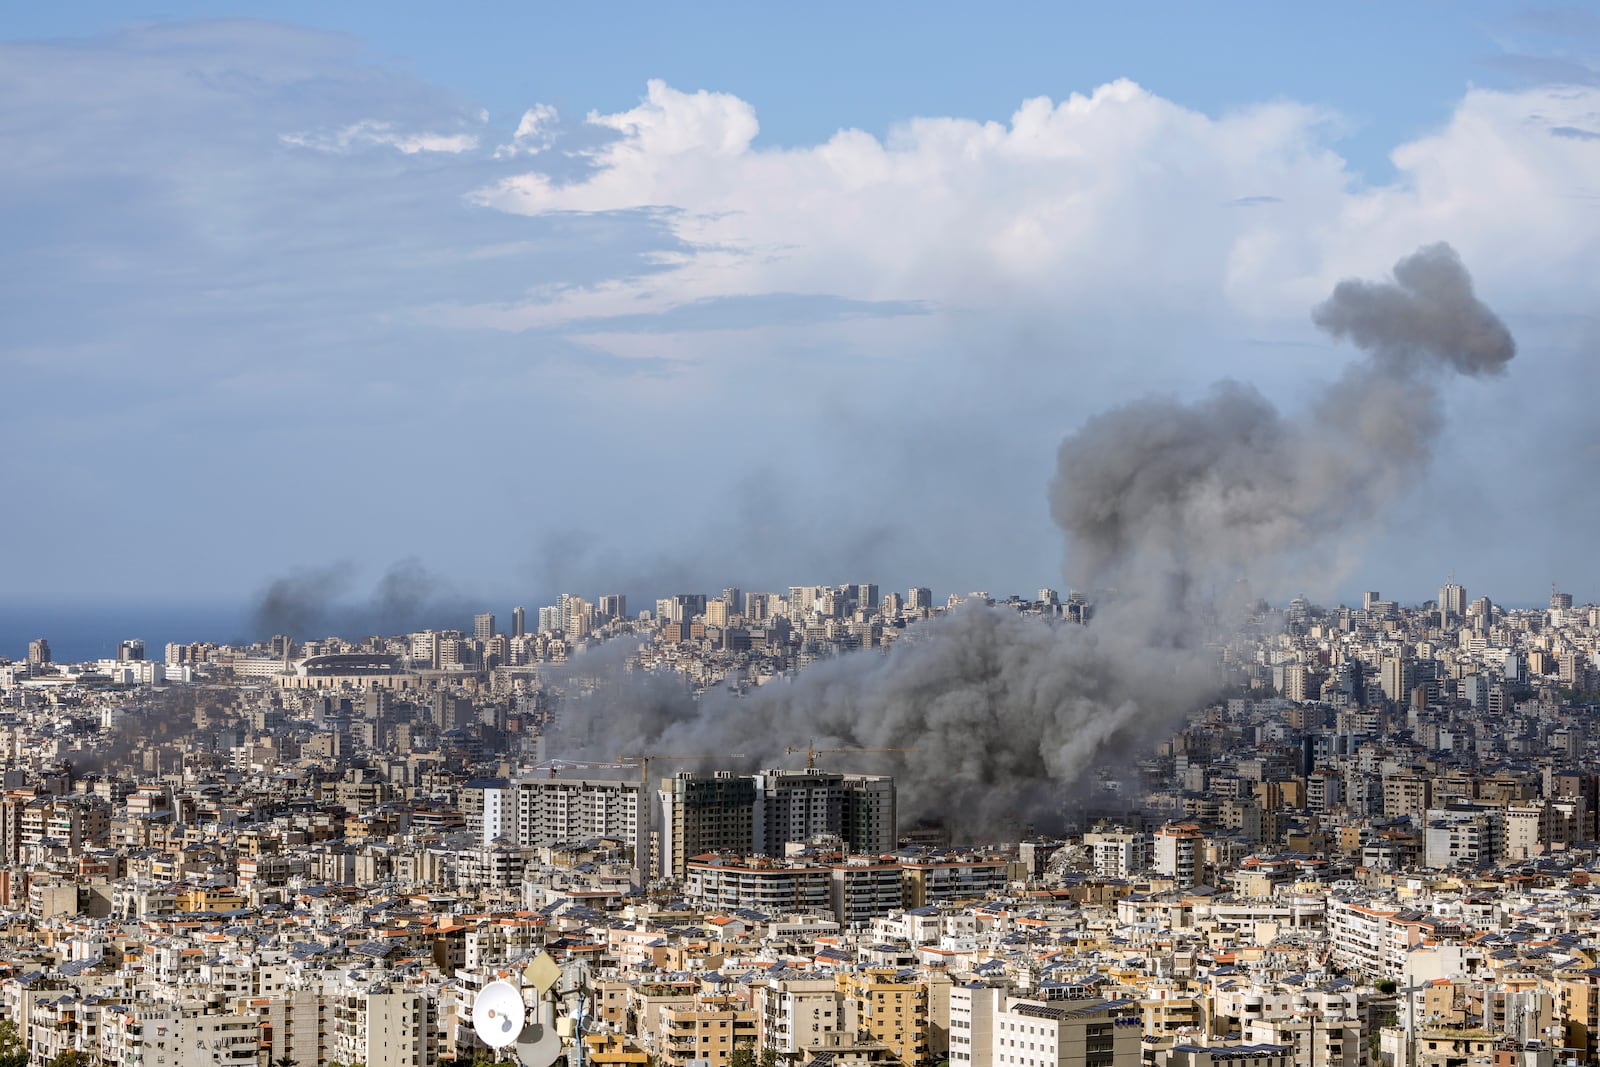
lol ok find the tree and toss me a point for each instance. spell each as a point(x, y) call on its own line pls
point(72, 1058)
point(13, 1051)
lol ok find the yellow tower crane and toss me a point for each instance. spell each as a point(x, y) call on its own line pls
point(812, 752)
point(644, 761)
point(647, 863)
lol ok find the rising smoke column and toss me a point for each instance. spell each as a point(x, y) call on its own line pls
point(1162, 499)
point(1165, 502)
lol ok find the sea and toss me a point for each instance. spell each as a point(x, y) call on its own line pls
point(79, 632)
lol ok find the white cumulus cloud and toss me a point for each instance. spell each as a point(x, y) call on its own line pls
point(1115, 194)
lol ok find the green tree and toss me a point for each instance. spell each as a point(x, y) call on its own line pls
point(72, 1058)
point(13, 1052)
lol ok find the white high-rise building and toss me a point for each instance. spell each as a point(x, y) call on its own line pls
point(1068, 1033)
point(1118, 853)
point(577, 618)
point(1178, 853)
point(973, 1008)
point(1464, 835)
point(552, 810)
point(1452, 602)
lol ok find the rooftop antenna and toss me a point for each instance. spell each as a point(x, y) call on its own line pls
point(501, 1018)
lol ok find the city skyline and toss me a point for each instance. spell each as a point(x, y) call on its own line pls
point(82, 637)
point(624, 306)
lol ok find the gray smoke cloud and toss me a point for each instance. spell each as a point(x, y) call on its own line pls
point(1428, 314)
point(1167, 506)
point(316, 601)
point(1163, 499)
point(1004, 713)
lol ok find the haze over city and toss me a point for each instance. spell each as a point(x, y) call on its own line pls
point(529, 302)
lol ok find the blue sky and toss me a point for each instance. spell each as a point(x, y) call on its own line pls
point(1391, 71)
point(798, 295)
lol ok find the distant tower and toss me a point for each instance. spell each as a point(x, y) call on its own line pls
point(483, 627)
point(758, 606)
point(578, 620)
point(1452, 602)
point(1299, 611)
point(38, 652)
point(130, 651)
point(1368, 600)
point(519, 621)
point(919, 597)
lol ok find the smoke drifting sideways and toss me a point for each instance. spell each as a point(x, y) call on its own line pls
point(1166, 506)
point(315, 602)
point(1002, 711)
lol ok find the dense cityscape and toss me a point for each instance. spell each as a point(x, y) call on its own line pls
point(339, 338)
point(1373, 845)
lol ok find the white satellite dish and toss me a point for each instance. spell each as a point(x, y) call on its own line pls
point(498, 1014)
point(540, 1043)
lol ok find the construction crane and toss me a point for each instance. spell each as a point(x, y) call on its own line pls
point(644, 761)
point(646, 863)
point(812, 752)
point(556, 766)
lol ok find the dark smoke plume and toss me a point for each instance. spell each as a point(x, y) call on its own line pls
point(1428, 314)
point(1004, 713)
point(1170, 505)
point(314, 602)
point(1161, 498)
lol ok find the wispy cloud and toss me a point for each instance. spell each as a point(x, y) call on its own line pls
point(370, 133)
point(535, 133)
point(1537, 69)
point(1564, 23)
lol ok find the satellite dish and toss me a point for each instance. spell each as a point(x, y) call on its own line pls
point(498, 1014)
point(540, 1043)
